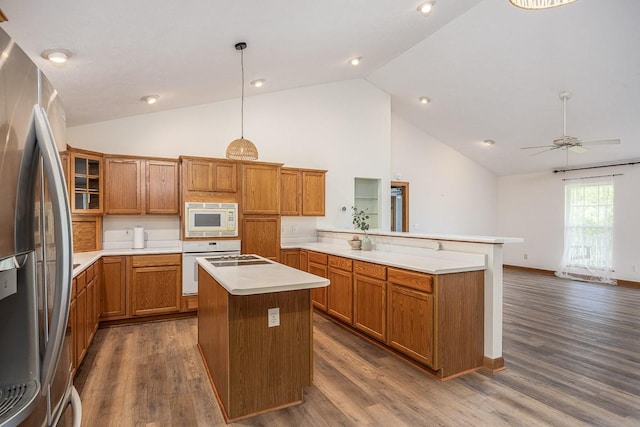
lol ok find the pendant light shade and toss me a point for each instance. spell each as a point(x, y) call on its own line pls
point(539, 4)
point(242, 149)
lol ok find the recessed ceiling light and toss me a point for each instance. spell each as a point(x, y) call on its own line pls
point(424, 100)
point(150, 99)
point(257, 83)
point(57, 56)
point(488, 142)
point(426, 8)
point(355, 60)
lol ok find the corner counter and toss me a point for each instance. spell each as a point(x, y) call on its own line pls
point(257, 360)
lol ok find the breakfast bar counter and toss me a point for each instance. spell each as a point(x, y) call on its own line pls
point(255, 334)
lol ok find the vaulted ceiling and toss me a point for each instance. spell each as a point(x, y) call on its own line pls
point(491, 70)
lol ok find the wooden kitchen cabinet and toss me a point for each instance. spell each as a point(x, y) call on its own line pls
point(162, 187)
point(291, 258)
point(156, 284)
point(261, 188)
point(124, 192)
point(141, 186)
point(209, 175)
point(317, 264)
point(411, 314)
point(85, 182)
point(74, 338)
point(340, 298)
point(81, 325)
point(113, 290)
point(261, 236)
point(302, 192)
point(370, 299)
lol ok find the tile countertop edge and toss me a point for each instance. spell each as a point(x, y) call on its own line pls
point(85, 259)
point(421, 264)
point(262, 279)
point(449, 237)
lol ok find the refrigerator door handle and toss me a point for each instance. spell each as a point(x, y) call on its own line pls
point(76, 407)
point(64, 245)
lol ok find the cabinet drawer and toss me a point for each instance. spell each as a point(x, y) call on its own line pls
point(376, 271)
point(90, 273)
point(81, 281)
point(340, 263)
point(419, 281)
point(155, 260)
point(318, 258)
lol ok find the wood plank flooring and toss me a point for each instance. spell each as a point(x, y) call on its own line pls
point(572, 354)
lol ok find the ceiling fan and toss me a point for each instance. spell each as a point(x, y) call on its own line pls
point(566, 142)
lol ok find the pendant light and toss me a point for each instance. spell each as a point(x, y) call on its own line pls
point(539, 4)
point(242, 149)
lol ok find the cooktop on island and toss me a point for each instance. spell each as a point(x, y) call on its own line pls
point(236, 260)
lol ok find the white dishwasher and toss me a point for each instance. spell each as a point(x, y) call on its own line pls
point(202, 248)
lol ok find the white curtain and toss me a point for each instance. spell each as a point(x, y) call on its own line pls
point(588, 230)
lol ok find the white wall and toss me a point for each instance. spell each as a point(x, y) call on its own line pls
point(532, 206)
point(448, 192)
point(343, 127)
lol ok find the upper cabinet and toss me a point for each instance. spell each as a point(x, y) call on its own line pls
point(261, 188)
point(162, 187)
point(141, 186)
point(209, 176)
point(85, 182)
point(302, 192)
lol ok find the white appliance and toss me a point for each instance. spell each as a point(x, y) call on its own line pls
point(202, 248)
point(36, 253)
point(210, 219)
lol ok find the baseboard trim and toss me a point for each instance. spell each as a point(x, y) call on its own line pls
point(623, 283)
point(494, 365)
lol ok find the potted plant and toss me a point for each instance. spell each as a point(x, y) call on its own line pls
point(360, 218)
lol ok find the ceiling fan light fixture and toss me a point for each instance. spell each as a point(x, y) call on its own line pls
point(426, 8)
point(257, 83)
point(241, 148)
point(355, 60)
point(539, 4)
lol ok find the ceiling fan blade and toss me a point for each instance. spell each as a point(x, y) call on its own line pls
point(602, 142)
point(539, 146)
point(543, 151)
point(578, 149)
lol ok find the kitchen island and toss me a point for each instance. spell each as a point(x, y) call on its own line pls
point(255, 334)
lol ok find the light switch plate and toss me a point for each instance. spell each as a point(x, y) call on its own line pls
point(274, 317)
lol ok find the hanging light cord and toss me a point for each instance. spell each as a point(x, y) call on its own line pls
point(242, 96)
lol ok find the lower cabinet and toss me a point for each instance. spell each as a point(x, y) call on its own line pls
point(113, 299)
point(436, 320)
point(291, 258)
point(340, 301)
point(83, 311)
point(141, 285)
point(155, 284)
point(411, 323)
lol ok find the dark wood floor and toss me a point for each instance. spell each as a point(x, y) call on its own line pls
point(572, 353)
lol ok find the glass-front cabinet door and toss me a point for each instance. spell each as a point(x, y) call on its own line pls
point(86, 183)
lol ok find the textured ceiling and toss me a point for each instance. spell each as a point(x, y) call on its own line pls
point(493, 71)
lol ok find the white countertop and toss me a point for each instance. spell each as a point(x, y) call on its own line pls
point(262, 279)
point(437, 262)
point(85, 259)
point(449, 237)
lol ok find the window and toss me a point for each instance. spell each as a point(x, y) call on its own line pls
point(588, 230)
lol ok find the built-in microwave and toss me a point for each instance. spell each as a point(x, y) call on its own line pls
point(210, 219)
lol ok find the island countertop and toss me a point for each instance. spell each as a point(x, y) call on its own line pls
point(261, 279)
point(436, 262)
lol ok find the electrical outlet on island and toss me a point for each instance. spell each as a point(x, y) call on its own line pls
point(274, 317)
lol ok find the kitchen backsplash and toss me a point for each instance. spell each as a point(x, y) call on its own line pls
point(159, 230)
point(298, 229)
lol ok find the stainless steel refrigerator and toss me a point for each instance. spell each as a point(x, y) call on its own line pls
point(36, 254)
